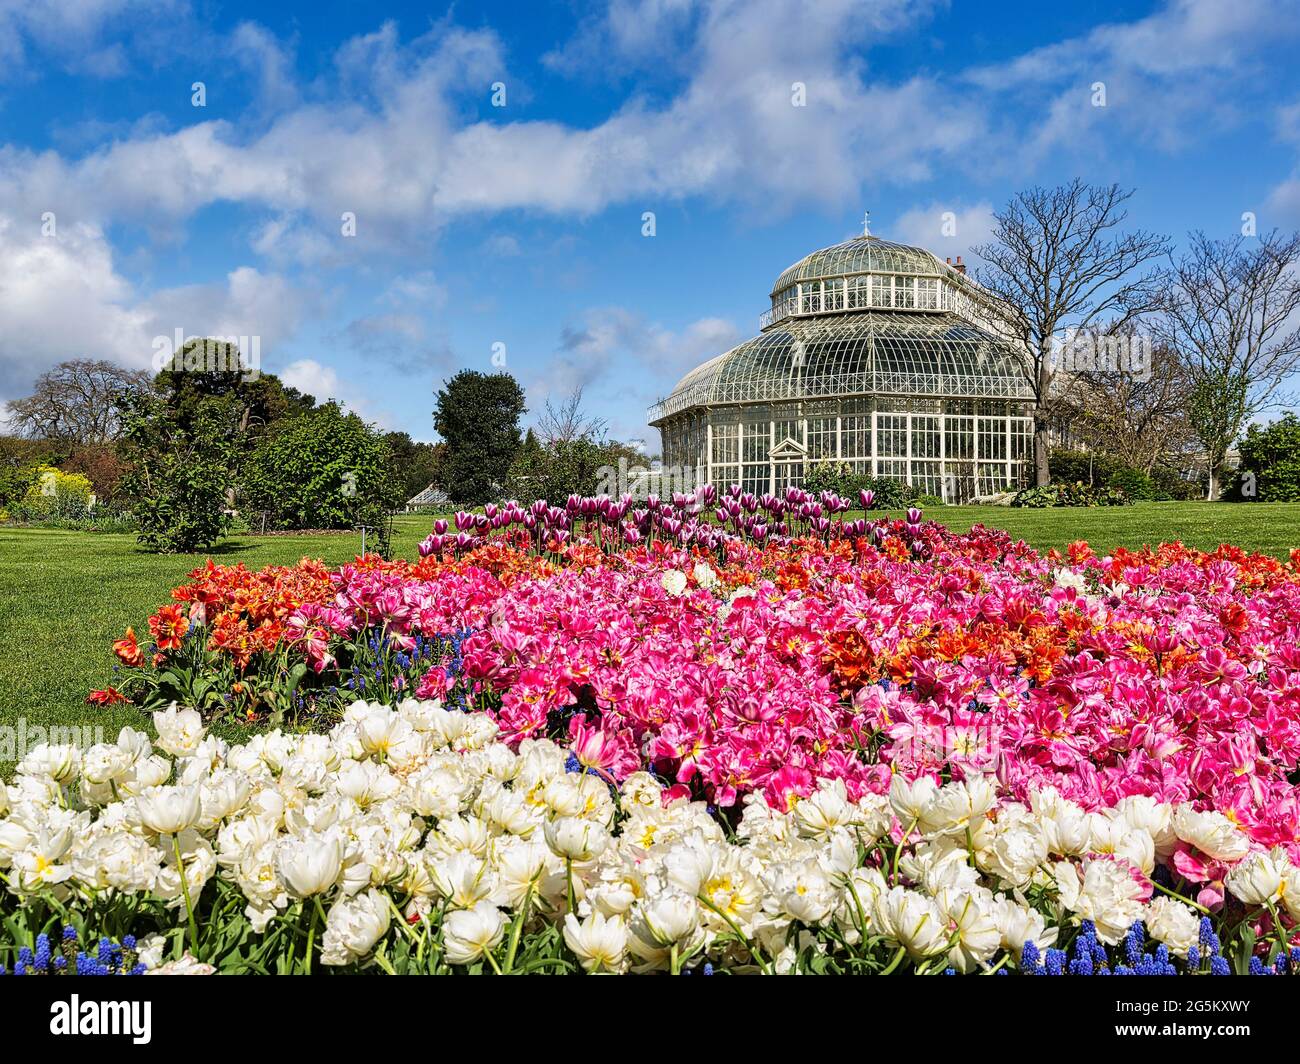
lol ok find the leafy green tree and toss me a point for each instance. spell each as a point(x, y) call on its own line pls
point(206, 368)
point(1217, 411)
point(1272, 454)
point(477, 415)
point(554, 472)
point(564, 467)
point(16, 480)
point(323, 469)
point(415, 463)
point(181, 468)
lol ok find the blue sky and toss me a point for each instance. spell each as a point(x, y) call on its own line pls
point(521, 225)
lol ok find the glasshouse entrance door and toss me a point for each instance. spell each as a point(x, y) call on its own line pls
point(789, 459)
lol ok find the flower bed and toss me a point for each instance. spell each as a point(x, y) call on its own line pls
point(412, 839)
point(1131, 724)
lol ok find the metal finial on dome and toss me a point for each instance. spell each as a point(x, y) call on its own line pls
point(866, 224)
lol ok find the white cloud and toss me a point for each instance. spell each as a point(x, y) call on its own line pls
point(310, 376)
point(502, 246)
point(387, 140)
point(62, 297)
point(929, 227)
point(73, 33)
point(391, 145)
point(270, 62)
point(422, 288)
point(1168, 77)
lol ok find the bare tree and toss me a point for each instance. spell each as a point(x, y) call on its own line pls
point(1230, 311)
point(566, 421)
point(74, 402)
point(1057, 261)
point(1139, 417)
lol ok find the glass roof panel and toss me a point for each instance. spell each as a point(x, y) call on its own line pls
point(868, 353)
point(862, 254)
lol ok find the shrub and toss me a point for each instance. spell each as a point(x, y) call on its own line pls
point(1135, 484)
point(100, 464)
point(1070, 495)
point(840, 478)
point(16, 481)
point(1101, 470)
point(1272, 454)
point(1167, 483)
point(180, 472)
point(54, 494)
point(322, 469)
point(1071, 467)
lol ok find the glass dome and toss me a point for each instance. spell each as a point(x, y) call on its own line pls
point(875, 356)
point(862, 254)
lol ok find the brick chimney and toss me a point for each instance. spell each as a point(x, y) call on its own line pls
point(960, 266)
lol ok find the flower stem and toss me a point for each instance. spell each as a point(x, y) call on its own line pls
point(1186, 901)
point(893, 879)
point(311, 938)
point(517, 930)
point(185, 893)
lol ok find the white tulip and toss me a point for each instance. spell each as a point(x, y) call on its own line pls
point(910, 798)
point(1258, 878)
point(1104, 891)
point(354, 926)
point(674, 582)
point(1291, 891)
point(1153, 816)
point(148, 772)
point(958, 807)
point(469, 934)
point(972, 924)
point(668, 920)
point(310, 864)
point(599, 942)
point(105, 763)
point(704, 575)
point(179, 731)
point(1173, 923)
point(912, 921)
point(169, 810)
point(223, 795)
point(461, 878)
point(824, 810)
point(58, 763)
point(1212, 833)
point(1121, 838)
point(1066, 827)
point(1018, 925)
point(1017, 853)
point(576, 840)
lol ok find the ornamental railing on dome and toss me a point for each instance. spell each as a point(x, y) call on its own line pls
point(898, 384)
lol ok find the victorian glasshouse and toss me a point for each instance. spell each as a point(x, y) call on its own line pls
point(874, 355)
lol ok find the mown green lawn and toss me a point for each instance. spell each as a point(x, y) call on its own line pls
point(1270, 528)
point(65, 596)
